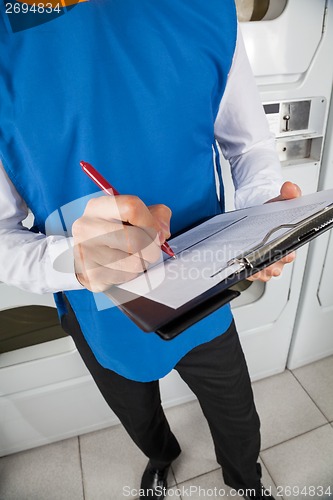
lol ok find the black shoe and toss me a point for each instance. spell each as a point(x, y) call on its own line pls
point(262, 494)
point(154, 482)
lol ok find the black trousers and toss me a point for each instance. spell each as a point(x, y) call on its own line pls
point(217, 374)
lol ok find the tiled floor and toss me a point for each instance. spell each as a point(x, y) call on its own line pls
point(296, 410)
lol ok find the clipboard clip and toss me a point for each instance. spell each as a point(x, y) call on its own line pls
point(256, 253)
point(242, 262)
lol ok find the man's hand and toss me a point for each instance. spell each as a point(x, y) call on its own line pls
point(288, 191)
point(116, 239)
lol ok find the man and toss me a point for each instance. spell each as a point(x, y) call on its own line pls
point(141, 90)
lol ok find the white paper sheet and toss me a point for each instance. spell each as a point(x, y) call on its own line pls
point(203, 252)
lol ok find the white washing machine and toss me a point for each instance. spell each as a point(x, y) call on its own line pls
point(46, 393)
point(313, 333)
point(290, 54)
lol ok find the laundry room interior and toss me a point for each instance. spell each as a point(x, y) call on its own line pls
point(58, 437)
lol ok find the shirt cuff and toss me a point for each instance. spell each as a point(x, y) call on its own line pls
point(61, 273)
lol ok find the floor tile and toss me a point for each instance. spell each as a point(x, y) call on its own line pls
point(302, 462)
point(317, 380)
point(191, 429)
point(297, 445)
point(49, 472)
point(285, 409)
point(173, 493)
point(267, 480)
point(112, 465)
point(211, 485)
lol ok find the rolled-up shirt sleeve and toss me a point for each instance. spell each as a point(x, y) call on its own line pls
point(26, 258)
point(242, 131)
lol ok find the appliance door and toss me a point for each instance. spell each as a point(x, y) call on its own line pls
point(313, 336)
point(287, 49)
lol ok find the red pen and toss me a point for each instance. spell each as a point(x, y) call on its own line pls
point(105, 186)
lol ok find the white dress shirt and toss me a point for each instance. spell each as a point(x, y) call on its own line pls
point(242, 132)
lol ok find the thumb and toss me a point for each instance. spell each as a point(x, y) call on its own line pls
point(288, 191)
point(162, 215)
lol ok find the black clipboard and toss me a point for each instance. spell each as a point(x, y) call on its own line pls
point(167, 322)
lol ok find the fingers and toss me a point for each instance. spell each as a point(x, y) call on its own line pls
point(162, 215)
point(267, 274)
point(125, 208)
point(116, 260)
point(288, 191)
point(131, 210)
point(116, 239)
point(97, 233)
point(273, 270)
point(103, 268)
point(289, 258)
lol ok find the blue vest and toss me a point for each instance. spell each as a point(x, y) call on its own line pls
point(133, 87)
